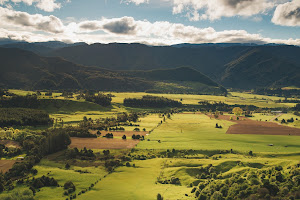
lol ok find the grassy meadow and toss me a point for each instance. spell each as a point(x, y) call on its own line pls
point(193, 137)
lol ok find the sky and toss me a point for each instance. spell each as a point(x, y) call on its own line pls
point(153, 22)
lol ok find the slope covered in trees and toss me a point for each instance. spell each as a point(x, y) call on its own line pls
point(26, 70)
point(219, 62)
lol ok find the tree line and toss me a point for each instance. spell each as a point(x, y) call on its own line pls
point(23, 117)
point(151, 102)
point(221, 106)
point(277, 92)
point(100, 99)
point(28, 101)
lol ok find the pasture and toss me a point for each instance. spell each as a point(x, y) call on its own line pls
point(178, 147)
point(198, 132)
point(103, 143)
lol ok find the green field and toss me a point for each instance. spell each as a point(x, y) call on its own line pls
point(197, 132)
point(192, 136)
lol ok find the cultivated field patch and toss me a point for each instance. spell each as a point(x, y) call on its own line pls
point(248, 126)
point(103, 143)
point(6, 165)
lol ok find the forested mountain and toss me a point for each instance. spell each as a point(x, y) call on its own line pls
point(244, 66)
point(27, 70)
point(41, 48)
point(232, 65)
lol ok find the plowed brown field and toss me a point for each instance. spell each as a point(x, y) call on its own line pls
point(248, 126)
point(5, 165)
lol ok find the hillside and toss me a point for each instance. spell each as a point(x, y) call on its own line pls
point(211, 59)
point(243, 66)
point(258, 69)
point(24, 69)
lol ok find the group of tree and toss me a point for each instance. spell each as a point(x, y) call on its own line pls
point(291, 120)
point(81, 132)
point(221, 106)
point(277, 92)
point(109, 135)
point(100, 98)
point(23, 117)
point(151, 102)
point(36, 146)
point(9, 151)
point(137, 137)
point(109, 123)
point(270, 183)
point(131, 117)
point(116, 129)
point(28, 101)
point(43, 181)
point(83, 154)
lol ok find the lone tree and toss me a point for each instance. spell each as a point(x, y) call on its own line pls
point(124, 137)
point(67, 166)
point(216, 115)
point(237, 111)
point(159, 197)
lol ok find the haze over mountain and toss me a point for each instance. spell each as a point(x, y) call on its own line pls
point(27, 70)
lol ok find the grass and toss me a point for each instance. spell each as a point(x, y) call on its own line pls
point(181, 132)
point(135, 184)
point(57, 171)
point(197, 132)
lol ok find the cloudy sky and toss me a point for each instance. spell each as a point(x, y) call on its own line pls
point(156, 22)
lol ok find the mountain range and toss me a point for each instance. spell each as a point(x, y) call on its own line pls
point(242, 66)
point(27, 70)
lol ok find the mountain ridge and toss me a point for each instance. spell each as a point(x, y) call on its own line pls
point(27, 70)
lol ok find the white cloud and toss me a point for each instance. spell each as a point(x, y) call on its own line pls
point(23, 20)
point(287, 14)
point(23, 26)
point(45, 5)
point(215, 9)
point(48, 5)
point(137, 2)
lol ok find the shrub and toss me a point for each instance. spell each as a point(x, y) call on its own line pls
point(69, 185)
point(159, 197)
point(67, 166)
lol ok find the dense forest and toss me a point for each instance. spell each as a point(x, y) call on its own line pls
point(278, 92)
point(28, 101)
point(23, 117)
point(101, 99)
point(151, 102)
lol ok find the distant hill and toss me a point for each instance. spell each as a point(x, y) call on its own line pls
point(214, 60)
point(41, 48)
point(27, 70)
point(257, 69)
point(234, 65)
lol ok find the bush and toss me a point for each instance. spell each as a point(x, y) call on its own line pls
point(69, 185)
point(67, 166)
point(159, 197)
